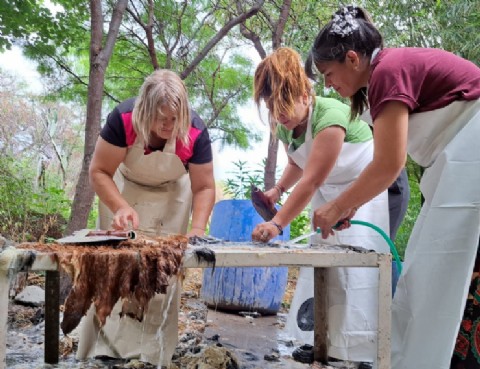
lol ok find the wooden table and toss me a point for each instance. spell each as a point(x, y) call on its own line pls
point(232, 256)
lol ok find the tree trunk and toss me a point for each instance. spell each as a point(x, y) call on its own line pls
point(99, 59)
point(271, 163)
point(278, 28)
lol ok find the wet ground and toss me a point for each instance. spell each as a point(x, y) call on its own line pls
point(257, 342)
point(245, 341)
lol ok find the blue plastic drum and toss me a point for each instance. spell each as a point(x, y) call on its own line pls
point(242, 289)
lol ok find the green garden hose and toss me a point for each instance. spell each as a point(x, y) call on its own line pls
point(393, 249)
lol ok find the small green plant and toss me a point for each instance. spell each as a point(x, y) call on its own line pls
point(301, 225)
point(239, 185)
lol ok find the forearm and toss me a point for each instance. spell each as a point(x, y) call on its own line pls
point(290, 176)
point(202, 204)
point(107, 191)
point(296, 202)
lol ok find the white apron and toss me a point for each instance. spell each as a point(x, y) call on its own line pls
point(157, 186)
point(440, 256)
point(352, 292)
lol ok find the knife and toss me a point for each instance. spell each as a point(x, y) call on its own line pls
point(261, 204)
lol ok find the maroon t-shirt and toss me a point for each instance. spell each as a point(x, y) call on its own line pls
point(119, 132)
point(424, 79)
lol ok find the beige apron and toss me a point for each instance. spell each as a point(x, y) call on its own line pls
point(157, 186)
point(352, 292)
point(439, 259)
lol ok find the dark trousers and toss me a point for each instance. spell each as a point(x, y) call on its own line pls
point(398, 197)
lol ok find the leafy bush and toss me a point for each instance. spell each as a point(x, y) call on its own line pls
point(27, 213)
point(300, 225)
point(414, 206)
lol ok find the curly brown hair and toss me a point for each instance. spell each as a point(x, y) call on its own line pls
point(280, 80)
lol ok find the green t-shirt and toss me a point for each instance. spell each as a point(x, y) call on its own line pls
point(329, 112)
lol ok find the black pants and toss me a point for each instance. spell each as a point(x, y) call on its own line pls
point(398, 197)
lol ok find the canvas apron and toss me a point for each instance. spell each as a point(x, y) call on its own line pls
point(352, 292)
point(439, 259)
point(157, 186)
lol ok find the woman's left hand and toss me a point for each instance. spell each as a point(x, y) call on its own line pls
point(264, 232)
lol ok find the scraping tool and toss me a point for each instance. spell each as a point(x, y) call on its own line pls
point(97, 236)
point(304, 236)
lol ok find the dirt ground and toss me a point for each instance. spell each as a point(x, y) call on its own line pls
point(23, 320)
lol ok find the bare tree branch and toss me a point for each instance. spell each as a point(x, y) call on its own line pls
point(148, 28)
point(220, 34)
point(279, 28)
point(250, 35)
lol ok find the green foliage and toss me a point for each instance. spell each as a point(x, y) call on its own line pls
point(93, 215)
point(238, 186)
point(414, 206)
point(459, 26)
point(301, 225)
point(26, 213)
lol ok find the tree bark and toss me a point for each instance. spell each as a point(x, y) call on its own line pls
point(99, 59)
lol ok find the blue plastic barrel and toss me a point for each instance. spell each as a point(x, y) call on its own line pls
point(259, 289)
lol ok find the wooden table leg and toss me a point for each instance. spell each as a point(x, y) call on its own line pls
point(52, 311)
point(320, 314)
point(384, 311)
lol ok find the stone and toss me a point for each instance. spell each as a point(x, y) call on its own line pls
point(31, 296)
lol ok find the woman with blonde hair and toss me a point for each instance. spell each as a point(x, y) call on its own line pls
point(152, 168)
point(326, 152)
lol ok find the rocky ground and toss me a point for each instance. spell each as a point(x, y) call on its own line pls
point(207, 339)
point(201, 342)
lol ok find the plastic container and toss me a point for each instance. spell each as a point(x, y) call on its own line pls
point(249, 289)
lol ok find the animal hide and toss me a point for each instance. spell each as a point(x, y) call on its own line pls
point(133, 270)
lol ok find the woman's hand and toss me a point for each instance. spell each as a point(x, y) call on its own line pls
point(125, 216)
point(328, 215)
point(272, 195)
point(264, 232)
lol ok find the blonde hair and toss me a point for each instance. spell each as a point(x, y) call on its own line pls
point(163, 88)
point(280, 80)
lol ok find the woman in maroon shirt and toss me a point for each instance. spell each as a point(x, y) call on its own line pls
point(424, 102)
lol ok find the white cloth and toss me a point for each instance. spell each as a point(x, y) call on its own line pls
point(439, 259)
point(157, 186)
point(352, 292)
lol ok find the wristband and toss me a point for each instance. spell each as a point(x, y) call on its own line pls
point(279, 227)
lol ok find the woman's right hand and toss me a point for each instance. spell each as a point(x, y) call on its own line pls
point(329, 214)
point(272, 196)
point(125, 216)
